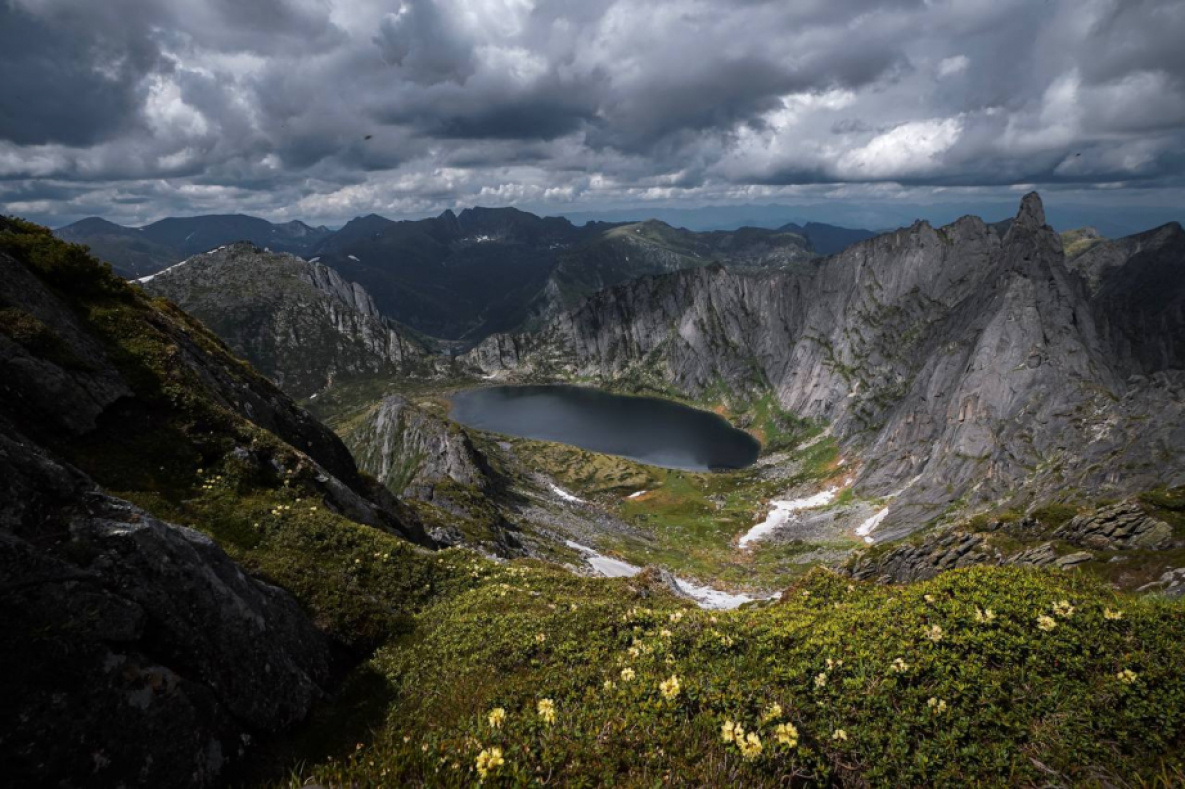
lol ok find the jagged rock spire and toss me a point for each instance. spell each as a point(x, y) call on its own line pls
point(1032, 212)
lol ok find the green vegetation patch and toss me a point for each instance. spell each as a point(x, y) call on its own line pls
point(981, 676)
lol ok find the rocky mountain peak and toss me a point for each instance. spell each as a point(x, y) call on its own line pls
point(1032, 212)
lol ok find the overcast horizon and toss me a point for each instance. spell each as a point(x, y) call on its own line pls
point(858, 113)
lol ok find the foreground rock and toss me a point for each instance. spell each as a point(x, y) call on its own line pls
point(136, 650)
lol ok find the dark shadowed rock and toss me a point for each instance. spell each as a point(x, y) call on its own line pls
point(136, 652)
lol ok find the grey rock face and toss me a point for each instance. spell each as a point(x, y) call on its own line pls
point(1170, 584)
point(966, 359)
point(135, 651)
point(1120, 527)
point(299, 323)
point(907, 563)
point(411, 451)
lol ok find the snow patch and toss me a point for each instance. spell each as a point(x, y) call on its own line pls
point(781, 512)
point(151, 277)
point(639, 494)
point(704, 596)
point(610, 568)
point(315, 260)
point(563, 494)
point(351, 257)
point(865, 529)
point(710, 598)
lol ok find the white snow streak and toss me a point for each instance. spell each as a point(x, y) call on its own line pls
point(563, 494)
point(781, 512)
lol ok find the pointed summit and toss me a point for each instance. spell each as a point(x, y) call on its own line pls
point(1032, 212)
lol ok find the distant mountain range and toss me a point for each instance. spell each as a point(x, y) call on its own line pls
point(139, 251)
point(461, 277)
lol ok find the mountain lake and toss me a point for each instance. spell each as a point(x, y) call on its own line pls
point(645, 429)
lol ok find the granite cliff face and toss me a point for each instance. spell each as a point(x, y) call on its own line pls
point(299, 323)
point(960, 367)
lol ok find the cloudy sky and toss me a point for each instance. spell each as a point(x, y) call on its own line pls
point(326, 109)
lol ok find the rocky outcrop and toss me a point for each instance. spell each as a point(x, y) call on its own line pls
point(299, 323)
point(412, 452)
point(135, 651)
point(1119, 527)
point(906, 563)
point(959, 367)
point(1170, 584)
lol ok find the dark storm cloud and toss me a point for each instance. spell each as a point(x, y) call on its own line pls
point(320, 109)
point(63, 84)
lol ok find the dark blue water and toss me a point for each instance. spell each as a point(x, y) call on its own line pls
point(645, 429)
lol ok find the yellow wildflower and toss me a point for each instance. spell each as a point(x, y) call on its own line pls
point(608, 685)
point(984, 615)
point(665, 633)
point(496, 717)
point(728, 732)
point(750, 746)
point(1046, 622)
point(670, 687)
point(821, 680)
point(839, 735)
point(489, 760)
point(929, 598)
point(1112, 615)
point(675, 617)
point(787, 734)
point(937, 706)
point(1063, 609)
point(546, 708)
point(627, 674)
point(900, 666)
point(772, 713)
point(540, 637)
point(1127, 676)
point(934, 633)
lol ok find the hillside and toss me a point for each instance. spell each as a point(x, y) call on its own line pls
point(298, 323)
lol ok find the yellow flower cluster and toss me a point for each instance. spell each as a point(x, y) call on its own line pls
point(787, 734)
point(772, 713)
point(839, 735)
point(1046, 622)
point(900, 666)
point(1063, 609)
point(627, 674)
point(934, 633)
point(670, 687)
point(1112, 616)
point(676, 616)
point(984, 615)
point(937, 706)
point(489, 760)
point(750, 746)
point(821, 680)
point(540, 637)
point(546, 709)
point(496, 717)
point(1127, 676)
